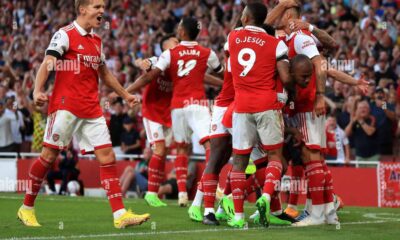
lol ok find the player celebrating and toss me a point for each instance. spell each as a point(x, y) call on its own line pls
point(157, 122)
point(186, 65)
point(74, 109)
point(257, 116)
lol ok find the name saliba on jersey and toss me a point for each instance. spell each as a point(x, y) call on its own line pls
point(189, 52)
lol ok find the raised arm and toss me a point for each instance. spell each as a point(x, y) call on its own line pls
point(278, 11)
point(143, 80)
point(326, 40)
point(342, 77)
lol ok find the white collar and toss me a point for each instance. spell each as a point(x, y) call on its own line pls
point(188, 43)
point(254, 28)
point(81, 30)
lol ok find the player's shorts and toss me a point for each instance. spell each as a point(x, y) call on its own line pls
point(259, 156)
point(157, 132)
point(190, 119)
point(249, 129)
point(62, 125)
point(312, 129)
point(217, 129)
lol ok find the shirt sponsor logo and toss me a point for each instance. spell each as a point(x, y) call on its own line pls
point(307, 44)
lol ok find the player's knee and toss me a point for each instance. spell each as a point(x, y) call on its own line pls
point(159, 149)
point(49, 154)
point(105, 156)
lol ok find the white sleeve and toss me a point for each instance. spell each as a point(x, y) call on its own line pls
point(228, 63)
point(281, 51)
point(319, 44)
point(304, 44)
point(164, 61)
point(213, 62)
point(59, 44)
point(226, 46)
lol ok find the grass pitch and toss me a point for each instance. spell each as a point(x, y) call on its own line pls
point(91, 218)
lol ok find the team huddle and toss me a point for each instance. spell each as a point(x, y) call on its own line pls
point(270, 109)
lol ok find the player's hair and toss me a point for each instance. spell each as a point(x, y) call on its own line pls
point(296, 11)
point(269, 29)
point(191, 26)
point(258, 12)
point(80, 3)
point(165, 38)
point(299, 58)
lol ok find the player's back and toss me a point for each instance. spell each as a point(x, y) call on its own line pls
point(187, 69)
point(253, 58)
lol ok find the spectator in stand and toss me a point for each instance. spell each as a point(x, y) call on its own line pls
point(362, 128)
point(116, 125)
point(385, 116)
point(6, 136)
point(17, 123)
point(66, 172)
point(338, 147)
point(130, 138)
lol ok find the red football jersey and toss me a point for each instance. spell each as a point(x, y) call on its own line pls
point(186, 65)
point(227, 119)
point(79, 56)
point(156, 104)
point(331, 149)
point(253, 58)
point(301, 42)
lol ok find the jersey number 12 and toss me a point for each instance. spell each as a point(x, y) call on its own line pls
point(184, 69)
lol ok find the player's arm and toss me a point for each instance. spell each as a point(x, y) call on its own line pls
point(143, 80)
point(320, 73)
point(278, 11)
point(323, 37)
point(282, 63)
point(214, 63)
point(212, 80)
point(59, 44)
point(342, 77)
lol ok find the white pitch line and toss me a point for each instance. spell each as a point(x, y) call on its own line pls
point(112, 235)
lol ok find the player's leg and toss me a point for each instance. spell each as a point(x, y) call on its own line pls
point(156, 135)
point(296, 180)
point(59, 128)
point(182, 134)
point(218, 158)
point(314, 171)
point(94, 137)
point(270, 129)
point(244, 137)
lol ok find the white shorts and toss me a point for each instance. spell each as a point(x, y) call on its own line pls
point(250, 129)
point(157, 132)
point(190, 119)
point(92, 134)
point(258, 154)
point(217, 129)
point(313, 130)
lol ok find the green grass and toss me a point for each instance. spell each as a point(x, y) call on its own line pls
point(83, 217)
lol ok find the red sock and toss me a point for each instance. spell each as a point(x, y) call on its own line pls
point(255, 181)
point(181, 164)
point(273, 174)
point(227, 189)
point(328, 191)
point(155, 172)
point(37, 174)
point(238, 185)
point(295, 184)
point(207, 155)
point(316, 181)
point(210, 183)
point(275, 203)
point(110, 182)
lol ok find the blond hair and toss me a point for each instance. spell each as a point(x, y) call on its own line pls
point(80, 3)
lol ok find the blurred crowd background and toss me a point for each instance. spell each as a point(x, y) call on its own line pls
point(367, 33)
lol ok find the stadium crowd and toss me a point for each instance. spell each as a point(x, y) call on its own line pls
point(367, 35)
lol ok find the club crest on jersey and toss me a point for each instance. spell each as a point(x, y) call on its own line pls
point(155, 135)
point(56, 137)
point(214, 127)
